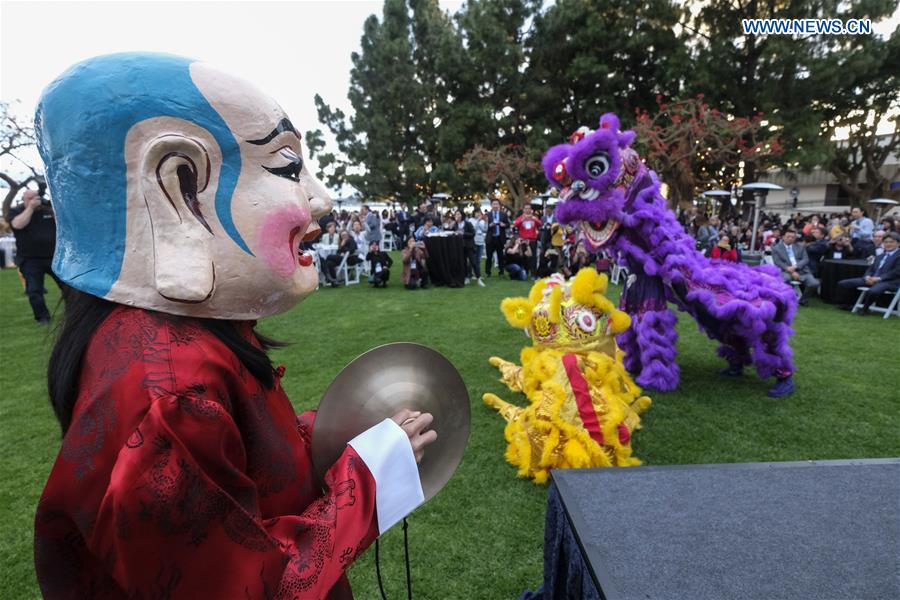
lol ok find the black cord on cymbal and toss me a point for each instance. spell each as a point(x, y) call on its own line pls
point(406, 554)
point(378, 571)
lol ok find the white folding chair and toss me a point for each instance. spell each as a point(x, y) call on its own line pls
point(346, 269)
point(387, 241)
point(617, 272)
point(892, 309)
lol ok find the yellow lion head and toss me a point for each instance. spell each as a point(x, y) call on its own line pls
point(574, 315)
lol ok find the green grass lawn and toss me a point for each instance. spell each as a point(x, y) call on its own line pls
point(482, 536)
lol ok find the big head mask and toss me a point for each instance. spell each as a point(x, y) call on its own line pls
point(177, 188)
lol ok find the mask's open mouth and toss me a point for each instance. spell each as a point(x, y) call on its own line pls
point(598, 234)
point(297, 236)
point(568, 193)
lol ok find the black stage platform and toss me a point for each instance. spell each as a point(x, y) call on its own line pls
point(812, 530)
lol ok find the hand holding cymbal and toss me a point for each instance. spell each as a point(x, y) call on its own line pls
point(416, 424)
point(413, 385)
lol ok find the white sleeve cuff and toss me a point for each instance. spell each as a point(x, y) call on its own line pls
point(386, 450)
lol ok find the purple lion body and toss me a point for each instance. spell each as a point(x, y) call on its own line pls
point(609, 193)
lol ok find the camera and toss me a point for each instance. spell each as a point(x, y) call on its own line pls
point(42, 189)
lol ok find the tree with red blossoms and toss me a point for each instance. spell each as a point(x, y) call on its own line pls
point(509, 169)
point(693, 147)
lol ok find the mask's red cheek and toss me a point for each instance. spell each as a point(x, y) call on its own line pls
point(279, 238)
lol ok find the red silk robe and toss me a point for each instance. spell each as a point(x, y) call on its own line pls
point(181, 476)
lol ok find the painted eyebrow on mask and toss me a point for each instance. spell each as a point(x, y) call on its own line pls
point(283, 125)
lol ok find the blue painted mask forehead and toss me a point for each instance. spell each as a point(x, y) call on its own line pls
point(82, 122)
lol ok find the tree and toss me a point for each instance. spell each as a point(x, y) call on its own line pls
point(858, 161)
point(16, 135)
point(383, 151)
point(451, 109)
point(794, 79)
point(693, 146)
point(587, 58)
point(867, 98)
point(509, 170)
point(494, 34)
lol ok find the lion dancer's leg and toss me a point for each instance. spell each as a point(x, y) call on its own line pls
point(649, 344)
point(735, 350)
point(510, 373)
point(774, 357)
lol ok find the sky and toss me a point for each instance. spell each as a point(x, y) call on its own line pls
point(291, 50)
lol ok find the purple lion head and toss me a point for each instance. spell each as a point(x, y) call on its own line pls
point(593, 171)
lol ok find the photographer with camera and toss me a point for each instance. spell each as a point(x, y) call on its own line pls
point(34, 226)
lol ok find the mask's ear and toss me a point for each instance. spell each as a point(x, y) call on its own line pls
point(626, 137)
point(175, 171)
point(517, 311)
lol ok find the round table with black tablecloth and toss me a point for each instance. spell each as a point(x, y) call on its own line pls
point(446, 260)
point(833, 271)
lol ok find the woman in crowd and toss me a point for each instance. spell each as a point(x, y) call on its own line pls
point(723, 250)
point(343, 219)
point(449, 223)
point(469, 251)
point(840, 227)
point(379, 265)
point(479, 222)
point(888, 224)
point(357, 232)
point(813, 224)
point(346, 248)
point(415, 269)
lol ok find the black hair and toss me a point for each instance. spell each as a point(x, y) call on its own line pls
point(84, 313)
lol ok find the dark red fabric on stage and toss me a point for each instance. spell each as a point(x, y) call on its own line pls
point(181, 476)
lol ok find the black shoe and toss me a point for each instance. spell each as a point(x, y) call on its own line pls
point(732, 371)
point(864, 312)
point(43, 322)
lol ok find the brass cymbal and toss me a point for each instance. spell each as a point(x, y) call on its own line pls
point(381, 382)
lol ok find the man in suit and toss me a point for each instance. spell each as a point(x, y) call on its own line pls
point(882, 275)
point(792, 259)
point(495, 240)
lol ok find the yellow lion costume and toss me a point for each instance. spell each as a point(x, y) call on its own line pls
point(583, 404)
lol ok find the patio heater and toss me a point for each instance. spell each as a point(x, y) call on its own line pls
point(759, 189)
point(438, 200)
point(716, 196)
point(881, 204)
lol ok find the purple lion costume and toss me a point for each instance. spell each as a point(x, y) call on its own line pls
point(607, 191)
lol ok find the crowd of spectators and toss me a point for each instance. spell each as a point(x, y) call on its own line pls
point(798, 245)
point(837, 235)
point(529, 244)
point(523, 245)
